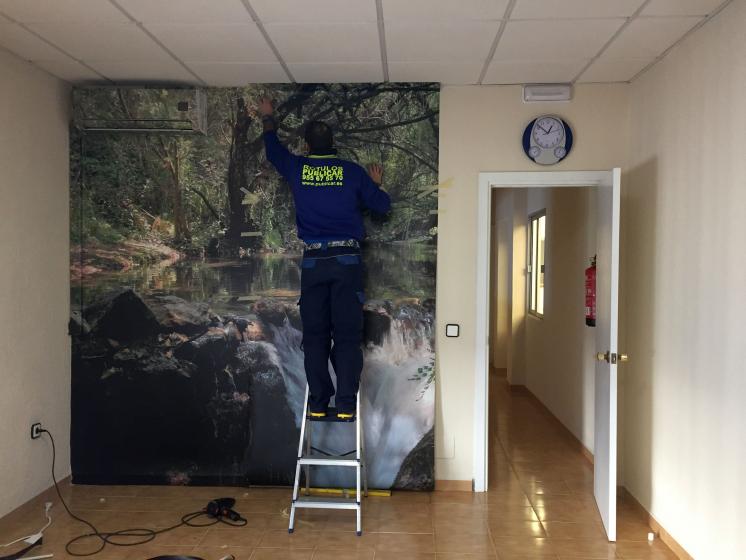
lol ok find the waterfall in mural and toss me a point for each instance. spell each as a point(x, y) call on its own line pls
point(187, 361)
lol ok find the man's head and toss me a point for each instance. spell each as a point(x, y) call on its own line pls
point(319, 138)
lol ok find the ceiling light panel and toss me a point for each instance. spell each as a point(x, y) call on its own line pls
point(317, 11)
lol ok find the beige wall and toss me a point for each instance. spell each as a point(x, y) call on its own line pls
point(560, 348)
point(480, 130)
point(34, 287)
point(684, 274)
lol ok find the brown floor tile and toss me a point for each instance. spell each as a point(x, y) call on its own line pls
point(336, 554)
point(217, 552)
point(282, 554)
point(460, 542)
point(405, 543)
point(514, 528)
point(644, 551)
point(243, 536)
point(298, 539)
point(586, 549)
point(463, 556)
point(514, 548)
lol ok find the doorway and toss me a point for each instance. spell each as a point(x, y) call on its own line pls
point(606, 185)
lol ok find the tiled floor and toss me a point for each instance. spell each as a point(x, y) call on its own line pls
point(540, 506)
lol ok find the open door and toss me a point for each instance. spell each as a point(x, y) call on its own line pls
point(607, 296)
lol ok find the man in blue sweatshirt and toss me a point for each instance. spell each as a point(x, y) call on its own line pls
point(330, 194)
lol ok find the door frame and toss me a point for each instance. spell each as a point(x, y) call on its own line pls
point(487, 182)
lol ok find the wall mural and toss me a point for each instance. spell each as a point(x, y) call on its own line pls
point(187, 366)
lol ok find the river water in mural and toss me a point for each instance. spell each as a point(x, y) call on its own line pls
point(187, 345)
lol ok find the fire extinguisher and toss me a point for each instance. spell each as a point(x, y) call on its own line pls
point(590, 294)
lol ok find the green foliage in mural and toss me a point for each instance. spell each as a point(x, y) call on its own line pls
point(194, 192)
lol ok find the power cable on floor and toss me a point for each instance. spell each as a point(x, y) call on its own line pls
point(216, 511)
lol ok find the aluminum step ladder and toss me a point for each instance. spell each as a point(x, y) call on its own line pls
point(313, 457)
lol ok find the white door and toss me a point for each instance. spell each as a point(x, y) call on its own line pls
point(607, 295)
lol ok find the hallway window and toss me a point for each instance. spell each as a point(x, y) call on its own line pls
point(537, 243)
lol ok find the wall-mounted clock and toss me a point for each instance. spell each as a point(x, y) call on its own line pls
point(547, 139)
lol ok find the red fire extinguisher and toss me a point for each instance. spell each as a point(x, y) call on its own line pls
point(590, 294)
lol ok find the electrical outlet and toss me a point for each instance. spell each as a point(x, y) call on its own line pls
point(36, 430)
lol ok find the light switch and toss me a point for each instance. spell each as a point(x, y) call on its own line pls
point(452, 330)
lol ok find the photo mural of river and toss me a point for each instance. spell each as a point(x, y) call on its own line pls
point(187, 360)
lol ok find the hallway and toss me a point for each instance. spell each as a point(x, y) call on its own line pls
point(540, 502)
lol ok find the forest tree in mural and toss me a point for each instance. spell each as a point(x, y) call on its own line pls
point(187, 358)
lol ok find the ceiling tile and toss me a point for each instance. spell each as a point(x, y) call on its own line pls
point(144, 71)
point(70, 71)
point(106, 41)
point(434, 41)
point(320, 43)
point(230, 74)
point(681, 7)
point(337, 72)
point(319, 11)
point(450, 10)
point(649, 37)
point(614, 70)
point(554, 9)
point(557, 40)
point(186, 11)
point(241, 42)
point(27, 45)
point(533, 71)
point(59, 11)
point(446, 73)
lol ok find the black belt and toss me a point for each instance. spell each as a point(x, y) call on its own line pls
point(324, 244)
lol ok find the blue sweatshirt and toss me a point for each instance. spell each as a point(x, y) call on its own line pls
point(330, 193)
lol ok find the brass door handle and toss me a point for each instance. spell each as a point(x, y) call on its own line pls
point(612, 357)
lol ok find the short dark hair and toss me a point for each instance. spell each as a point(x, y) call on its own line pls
point(319, 137)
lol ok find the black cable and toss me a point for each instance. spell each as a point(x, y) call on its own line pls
point(145, 535)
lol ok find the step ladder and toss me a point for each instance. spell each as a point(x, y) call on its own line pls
point(313, 457)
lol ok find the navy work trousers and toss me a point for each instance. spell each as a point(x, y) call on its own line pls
point(331, 309)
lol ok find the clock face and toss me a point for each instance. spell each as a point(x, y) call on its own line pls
point(548, 132)
point(547, 139)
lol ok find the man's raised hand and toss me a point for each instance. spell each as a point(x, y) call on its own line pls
point(375, 171)
point(265, 107)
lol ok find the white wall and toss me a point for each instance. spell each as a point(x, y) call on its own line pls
point(480, 130)
point(684, 275)
point(34, 286)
